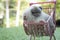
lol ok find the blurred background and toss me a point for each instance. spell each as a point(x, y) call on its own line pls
point(11, 20)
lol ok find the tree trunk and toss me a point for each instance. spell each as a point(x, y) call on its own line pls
point(7, 14)
point(17, 14)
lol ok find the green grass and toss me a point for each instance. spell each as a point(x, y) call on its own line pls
point(17, 33)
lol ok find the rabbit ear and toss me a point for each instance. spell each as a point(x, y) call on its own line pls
point(40, 8)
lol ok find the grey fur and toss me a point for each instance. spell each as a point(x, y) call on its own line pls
point(43, 16)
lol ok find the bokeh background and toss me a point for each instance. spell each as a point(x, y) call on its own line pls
point(11, 20)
